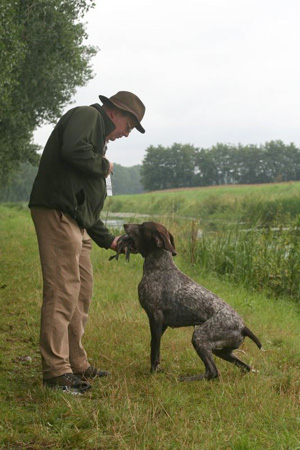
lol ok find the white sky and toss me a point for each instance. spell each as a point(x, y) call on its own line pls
point(208, 71)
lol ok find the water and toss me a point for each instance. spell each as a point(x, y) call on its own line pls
point(114, 223)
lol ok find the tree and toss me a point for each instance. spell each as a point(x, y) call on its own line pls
point(152, 171)
point(20, 187)
point(168, 168)
point(282, 162)
point(251, 165)
point(43, 60)
point(205, 170)
point(126, 180)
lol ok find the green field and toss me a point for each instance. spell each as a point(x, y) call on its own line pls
point(265, 203)
point(133, 409)
point(250, 235)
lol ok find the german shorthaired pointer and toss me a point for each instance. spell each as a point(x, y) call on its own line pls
point(172, 299)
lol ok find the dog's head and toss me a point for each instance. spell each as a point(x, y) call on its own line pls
point(149, 236)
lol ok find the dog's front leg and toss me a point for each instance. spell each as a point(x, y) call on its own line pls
point(157, 328)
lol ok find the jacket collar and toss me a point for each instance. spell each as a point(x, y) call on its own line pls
point(109, 126)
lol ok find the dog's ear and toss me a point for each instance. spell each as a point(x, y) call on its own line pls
point(172, 243)
point(164, 239)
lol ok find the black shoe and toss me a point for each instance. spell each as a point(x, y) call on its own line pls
point(68, 383)
point(92, 372)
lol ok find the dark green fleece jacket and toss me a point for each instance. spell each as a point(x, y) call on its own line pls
point(71, 175)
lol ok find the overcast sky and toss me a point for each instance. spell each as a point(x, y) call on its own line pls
point(208, 71)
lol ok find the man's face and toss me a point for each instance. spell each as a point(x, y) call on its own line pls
point(123, 126)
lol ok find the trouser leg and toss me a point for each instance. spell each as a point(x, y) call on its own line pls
point(78, 356)
point(61, 245)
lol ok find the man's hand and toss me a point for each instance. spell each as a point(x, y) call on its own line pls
point(122, 244)
point(114, 243)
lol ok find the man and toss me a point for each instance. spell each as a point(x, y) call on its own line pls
point(66, 200)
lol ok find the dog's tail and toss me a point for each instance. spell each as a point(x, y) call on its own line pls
point(247, 332)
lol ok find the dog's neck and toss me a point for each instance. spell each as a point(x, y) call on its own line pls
point(159, 259)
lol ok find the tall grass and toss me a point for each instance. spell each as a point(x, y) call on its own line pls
point(258, 258)
point(215, 205)
point(266, 257)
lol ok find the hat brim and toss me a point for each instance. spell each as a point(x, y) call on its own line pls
point(138, 126)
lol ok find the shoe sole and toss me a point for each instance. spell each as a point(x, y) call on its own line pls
point(67, 389)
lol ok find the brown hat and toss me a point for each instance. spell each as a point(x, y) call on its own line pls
point(127, 101)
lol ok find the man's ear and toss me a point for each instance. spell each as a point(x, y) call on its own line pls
point(112, 113)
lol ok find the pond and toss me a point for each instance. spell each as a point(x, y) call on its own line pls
point(116, 220)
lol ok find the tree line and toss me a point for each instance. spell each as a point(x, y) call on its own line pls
point(183, 165)
point(125, 180)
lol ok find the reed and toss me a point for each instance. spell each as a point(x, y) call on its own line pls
point(258, 258)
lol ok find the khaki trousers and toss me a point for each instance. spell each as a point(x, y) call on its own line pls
point(67, 291)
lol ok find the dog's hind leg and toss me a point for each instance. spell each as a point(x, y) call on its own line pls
point(203, 349)
point(157, 328)
point(227, 355)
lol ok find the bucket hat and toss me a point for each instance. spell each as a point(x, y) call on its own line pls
point(127, 101)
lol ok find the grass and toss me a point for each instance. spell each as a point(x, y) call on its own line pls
point(266, 258)
point(133, 409)
point(250, 234)
point(213, 205)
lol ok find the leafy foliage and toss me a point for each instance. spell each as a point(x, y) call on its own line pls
point(187, 166)
point(126, 180)
point(21, 184)
point(170, 167)
point(43, 60)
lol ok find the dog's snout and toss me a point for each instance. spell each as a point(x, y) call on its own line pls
point(130, 228)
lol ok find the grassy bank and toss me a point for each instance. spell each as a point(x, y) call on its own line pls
point(132, 409)
point(249, 234)
point(265, 204)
